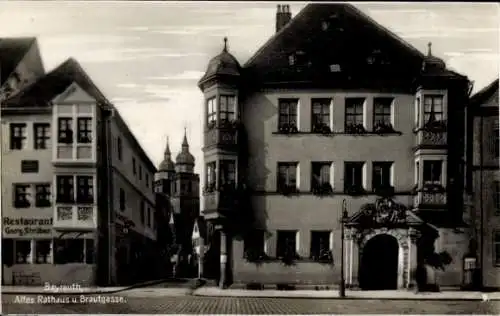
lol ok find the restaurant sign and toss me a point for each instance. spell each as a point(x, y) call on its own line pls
point(26, 226)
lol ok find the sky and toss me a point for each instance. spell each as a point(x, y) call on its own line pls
point(147, 57)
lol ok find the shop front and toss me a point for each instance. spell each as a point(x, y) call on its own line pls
point(33, 253)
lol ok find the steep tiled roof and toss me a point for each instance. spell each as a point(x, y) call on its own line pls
point(323, 35)
point(484, 94)
point(42, 91)
point(12, 50)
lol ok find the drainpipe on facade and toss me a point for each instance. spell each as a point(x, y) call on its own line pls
point(109, 171)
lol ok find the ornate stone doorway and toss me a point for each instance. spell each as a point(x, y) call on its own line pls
point(379, 264)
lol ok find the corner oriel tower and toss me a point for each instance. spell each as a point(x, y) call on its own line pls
point(220, 86)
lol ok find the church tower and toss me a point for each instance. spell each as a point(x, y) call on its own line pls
point(165, 176)
point(185, 199)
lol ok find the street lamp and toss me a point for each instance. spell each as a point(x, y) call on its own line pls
point(342, 237)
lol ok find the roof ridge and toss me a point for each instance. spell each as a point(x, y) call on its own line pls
point(276, 34)
point(384, 29)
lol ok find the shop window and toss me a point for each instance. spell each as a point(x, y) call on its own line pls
point(42, 248)
point(23, 251)
point(7, 251)
point(68, 251)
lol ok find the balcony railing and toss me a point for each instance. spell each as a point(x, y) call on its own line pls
point(430, 199)
point(218, 202)
point(75, 217)
point(221, 136)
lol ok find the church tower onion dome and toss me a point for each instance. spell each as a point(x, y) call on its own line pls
point(185, 157)
point(432, 63)
point(223, 64)
point(167, 164)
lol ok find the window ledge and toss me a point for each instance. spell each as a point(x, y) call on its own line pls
point(391, 133)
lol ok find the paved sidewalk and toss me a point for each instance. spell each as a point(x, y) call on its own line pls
point(332, 294)
point(19, 289)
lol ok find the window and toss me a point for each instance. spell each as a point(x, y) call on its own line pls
point(150, 212)
point(7, 251)
point(143, 212)
point(287, 175)
point(85, 190)
point(320, 245)
point(382, 113)
point(211, 112)
point(353, 176)
point(227, 173)
point(227, 108)
point(84, 130)
point(134, 166)
point(211, 176)
point(496, 197)
point(496, 139)
point(496, 248)
point(381, 178)
point(320, 175)
point(65, 189)
point(17, 136)
point(122, 200)
point(42, 135)
point(147, 180)
point(119, 148)
point(65, 131)
point(291, 60)
point(23, 251)
point(140, 172)
point(286, 244)
point(320, 114)
point(253, 244)
point(69, 250)
point(353, 113)
point(432, 171)
point(42, 249)
point(417, 111)
point(42, 195)
point(287, 114)
point(433, 108)
point(21, 196)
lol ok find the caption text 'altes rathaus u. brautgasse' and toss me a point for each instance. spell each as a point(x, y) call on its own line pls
point(325, 158)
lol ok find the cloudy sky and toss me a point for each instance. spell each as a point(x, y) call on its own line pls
point(147, 56)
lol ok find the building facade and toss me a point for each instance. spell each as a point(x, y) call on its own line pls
point(484, 151)
point(316, 123)
point(179, 186)
point(67, 163)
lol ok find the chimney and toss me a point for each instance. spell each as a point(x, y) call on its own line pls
point(283, 16)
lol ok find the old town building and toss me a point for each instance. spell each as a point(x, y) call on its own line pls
point(77, 188)
point(485, 181)
point(316, 122)
point(179, 186)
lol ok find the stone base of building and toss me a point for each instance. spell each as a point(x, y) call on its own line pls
point(77, 274)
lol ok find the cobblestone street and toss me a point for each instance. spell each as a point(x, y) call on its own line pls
point(219, 305)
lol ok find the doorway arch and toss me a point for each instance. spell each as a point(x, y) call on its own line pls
point(379, 263)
